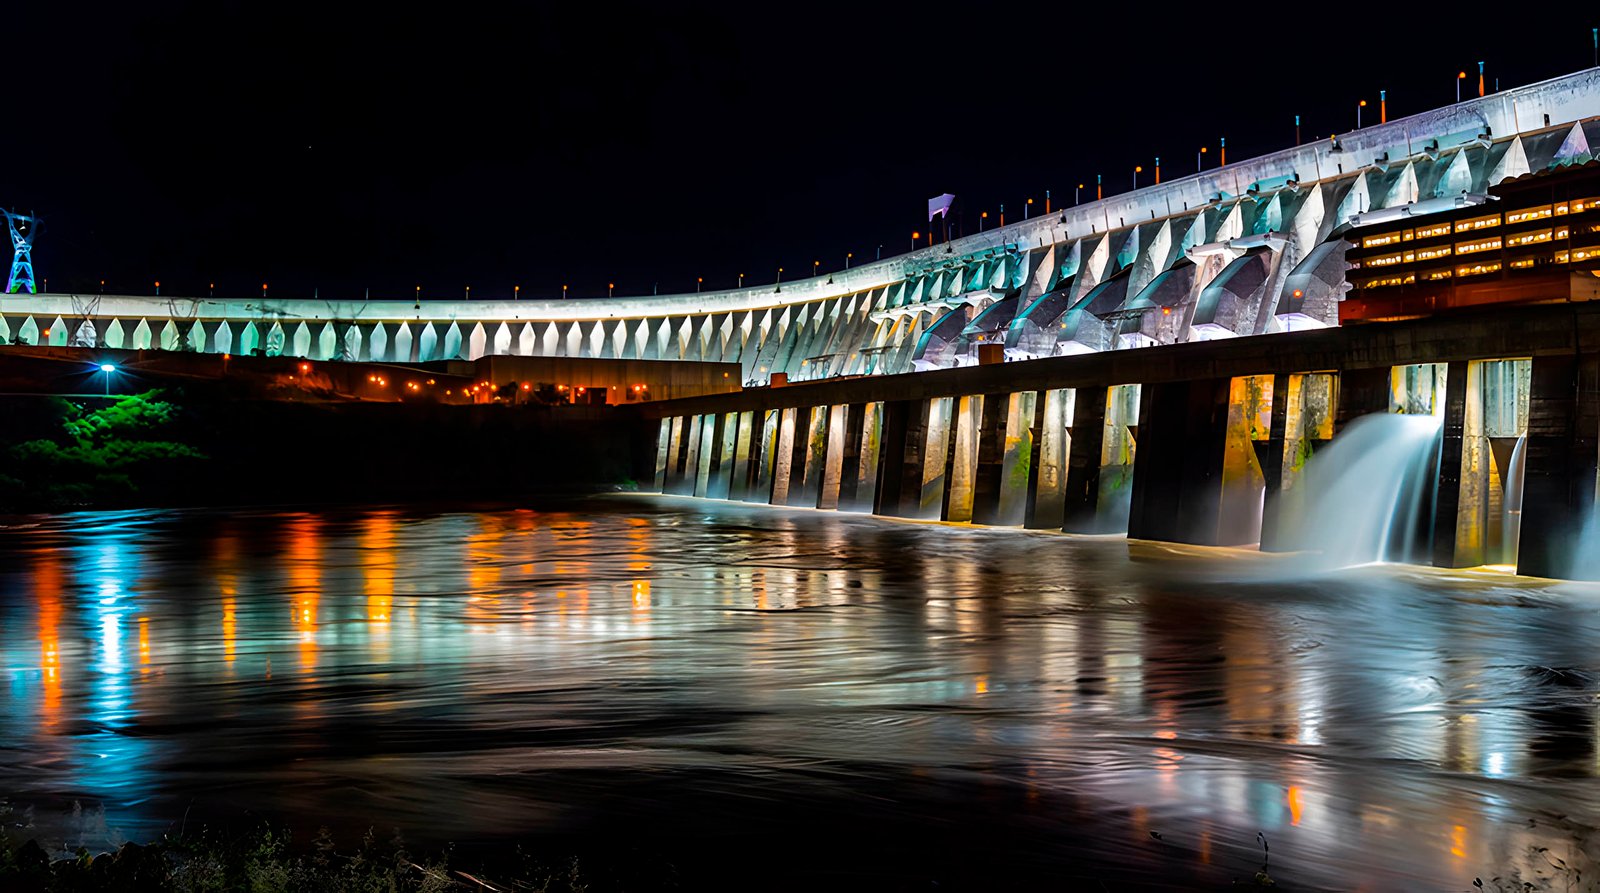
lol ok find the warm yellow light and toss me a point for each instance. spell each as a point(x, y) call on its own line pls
point(1363, 103)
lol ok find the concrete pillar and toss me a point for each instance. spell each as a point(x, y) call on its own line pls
point(961, 466)
point(739, 480)
point(1302, 422)
point(707, 425)
point(1050, 433)
point(816, 456)
point(835, 432)
point(1118, 448)
point(906, 454)
point(784, 460)
point(1177, 480)
point(891, 457)
point(1558, 495)
point(989, 476)
point(763, 467)
point(1080, 511)
point(1457, 533)
point(663, 450)
point(1251, 399)
point(855, 419)
point(936, 461)
point(723, 441)
point(1016, 460)
point(867, 472)
point(678, 458)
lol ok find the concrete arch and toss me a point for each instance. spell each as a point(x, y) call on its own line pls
point(378, 344)
point(401, 350)
point(451, 349)
point(502, 340)
point(249, 339)
point(222, 341)
point(300, 343)
point(169, 336)
point(477, 342)
point(428, 344)
point(114, 334)
point(526, 340)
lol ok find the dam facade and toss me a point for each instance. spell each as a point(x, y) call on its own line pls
point(1249, 248)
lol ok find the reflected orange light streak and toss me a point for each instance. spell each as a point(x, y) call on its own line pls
point(641, 600)
point(301, 558)
point(1458, 842)
point(1294, 804)
point(47, 587)
point(230, 628)
point(144, 641)
point(982, 685)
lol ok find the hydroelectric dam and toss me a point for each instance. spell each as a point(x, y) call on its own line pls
point(1175, 362)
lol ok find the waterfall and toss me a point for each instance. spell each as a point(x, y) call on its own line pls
point(1511, 507)
point(1369, 495)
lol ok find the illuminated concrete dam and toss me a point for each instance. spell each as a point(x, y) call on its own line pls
point(1250, 248)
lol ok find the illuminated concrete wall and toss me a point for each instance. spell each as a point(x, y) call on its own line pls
point(1238, 250)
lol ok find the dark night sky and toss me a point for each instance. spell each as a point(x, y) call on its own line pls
point(451, 144)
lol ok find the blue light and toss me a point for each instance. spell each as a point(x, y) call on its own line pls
point(108, 368)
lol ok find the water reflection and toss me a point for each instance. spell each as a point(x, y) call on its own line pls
point(715, 669)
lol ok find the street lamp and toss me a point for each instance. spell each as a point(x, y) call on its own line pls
point(741, 280)
point(563, 292)
point(981, 218)
point(1075, 191)
point(107, 368)
point(1026, 208)
point(1137, 170)
point(816, 267)
point(1199, 159)
point(1460, 76)
point(611, 289)
point(914, 237)
point(1359, 106)
point(847, 256)
point(699, 282)
point(516, 292)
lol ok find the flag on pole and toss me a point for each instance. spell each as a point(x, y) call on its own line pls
point(940, 206)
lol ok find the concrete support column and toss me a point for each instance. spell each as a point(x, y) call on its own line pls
point(723, 442)
point(850, 457)
point(663, 450)
point(867, 470)
point(961, 465)
point(678, 469)
point(816, 456)
point(905, 446)
point(763, 465)
point(1558, 494)
point(989, 476)
point(835, 433)
point(1457, 527)
point(1177, 479)
point(707, 425)
point(1080, 511)
point(739, 480)
point(784, 455)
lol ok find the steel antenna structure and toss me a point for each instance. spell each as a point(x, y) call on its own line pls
point(23, 228)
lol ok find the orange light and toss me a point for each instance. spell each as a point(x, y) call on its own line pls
point(158, 283)
point(372, 378)
point(227, 356)
point(580, 390)
point(430, 381)
point(1298, 293)
point(1166, 311)
point(1138, 169)
point(305, 367)
point(916, 235)
point(530, 387)
point(985, 215)
point(1462, 76)
point(1363, 103)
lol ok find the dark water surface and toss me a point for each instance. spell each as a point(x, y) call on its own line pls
point(825, 699)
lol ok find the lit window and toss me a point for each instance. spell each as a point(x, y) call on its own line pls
point(1380, 241)
point(1528, 238)
point(1528, 214)
point(1477, 223)
point(1492, 266)
point(1384, 261)
point(1478, 245)
point(1436, 274)
point(1428, 232)
point(1523, 264)
point(1431, 253)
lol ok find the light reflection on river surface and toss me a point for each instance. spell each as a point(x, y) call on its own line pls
point(843, 692)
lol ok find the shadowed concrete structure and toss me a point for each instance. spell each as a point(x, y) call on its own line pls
point(1220, 433)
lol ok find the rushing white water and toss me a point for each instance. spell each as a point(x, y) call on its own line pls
point(1511, 507)
point(1365, 495)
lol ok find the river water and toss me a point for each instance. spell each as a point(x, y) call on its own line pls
point(826, 700)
